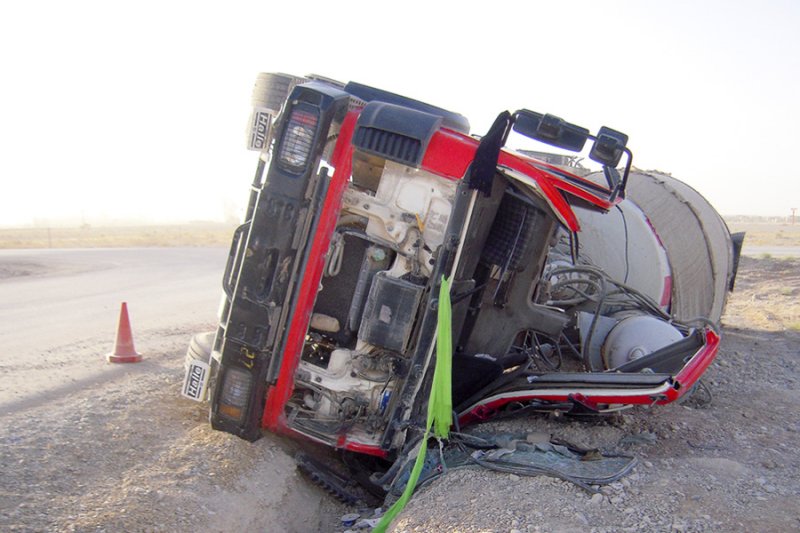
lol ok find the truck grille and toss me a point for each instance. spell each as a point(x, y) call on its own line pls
point(390, 145)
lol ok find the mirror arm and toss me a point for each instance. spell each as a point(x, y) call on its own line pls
point(619, 190)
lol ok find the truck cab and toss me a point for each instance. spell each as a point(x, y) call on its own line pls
point(363, 202)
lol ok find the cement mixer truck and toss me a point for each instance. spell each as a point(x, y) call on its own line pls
point(571, 291)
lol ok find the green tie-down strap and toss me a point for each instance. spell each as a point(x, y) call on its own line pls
point(440, 402)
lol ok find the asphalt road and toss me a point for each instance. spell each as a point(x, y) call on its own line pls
point(87, 445)
point(59, 311)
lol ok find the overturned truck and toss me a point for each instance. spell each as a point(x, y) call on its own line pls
point(571, 291)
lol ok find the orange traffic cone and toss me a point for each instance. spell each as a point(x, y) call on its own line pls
point(124, 352)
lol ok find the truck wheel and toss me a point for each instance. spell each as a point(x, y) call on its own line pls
point(200, 350)
point(272, 89)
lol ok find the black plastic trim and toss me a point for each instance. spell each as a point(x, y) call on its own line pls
point(451, 120)
point(396, 133)
point(597, 378)
point(264, 278)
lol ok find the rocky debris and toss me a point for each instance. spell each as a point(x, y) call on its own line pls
point(731, 465)
point(130, 454)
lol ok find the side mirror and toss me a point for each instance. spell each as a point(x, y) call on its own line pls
point(608, 147)
point(550, 129)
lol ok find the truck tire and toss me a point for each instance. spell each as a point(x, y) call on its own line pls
point(200, 350)
point(272, 89)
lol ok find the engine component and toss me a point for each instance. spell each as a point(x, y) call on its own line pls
point(348, 384)
point(389, 312)
point(424, 198)
point(538, 347)
point(323, 322)
point(376, 259)
point(635, 337)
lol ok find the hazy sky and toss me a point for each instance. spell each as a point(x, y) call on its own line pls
point(114, 110)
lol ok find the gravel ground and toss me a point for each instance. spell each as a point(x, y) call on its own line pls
point(126, 453)
point(129, 454)
point(732, 465)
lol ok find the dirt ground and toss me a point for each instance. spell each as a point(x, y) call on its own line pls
point(766, 233)
point(129, 454)
point(87, 236)
point(731, 465)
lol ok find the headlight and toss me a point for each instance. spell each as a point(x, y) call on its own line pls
point(298, 138)
point(235, 393)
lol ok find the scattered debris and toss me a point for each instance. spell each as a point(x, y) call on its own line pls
point(513, 454)
point(645, 437)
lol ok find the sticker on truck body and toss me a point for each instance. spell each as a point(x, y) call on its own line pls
point(196, 381)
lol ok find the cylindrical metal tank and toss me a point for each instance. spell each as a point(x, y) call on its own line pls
point(696, 239)
point(623, 244)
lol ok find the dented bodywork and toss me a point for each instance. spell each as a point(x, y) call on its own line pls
point(363, 201)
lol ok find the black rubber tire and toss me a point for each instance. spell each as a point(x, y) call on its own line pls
point(200, 350)
point(271, 90)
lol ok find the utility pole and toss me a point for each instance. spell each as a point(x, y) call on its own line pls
point(794, 210)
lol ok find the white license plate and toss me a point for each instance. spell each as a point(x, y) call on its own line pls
point(196, 381)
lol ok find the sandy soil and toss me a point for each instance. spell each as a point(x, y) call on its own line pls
point(128, 454)
point(767, 234)
point(86, 236)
